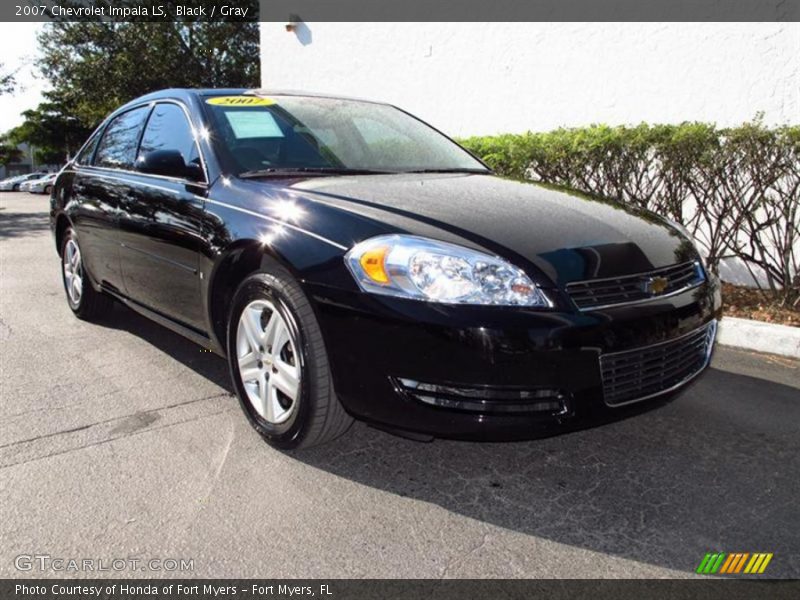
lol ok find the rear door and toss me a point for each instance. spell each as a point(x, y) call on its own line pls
point(161, 225)
point(99, 190)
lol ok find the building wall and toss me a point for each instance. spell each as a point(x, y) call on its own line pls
point(481, 78)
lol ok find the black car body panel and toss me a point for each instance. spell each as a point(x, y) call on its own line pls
point(170, 247)
point(566, 237)
point(387, 339)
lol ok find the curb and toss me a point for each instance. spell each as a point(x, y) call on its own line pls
point(759, 336)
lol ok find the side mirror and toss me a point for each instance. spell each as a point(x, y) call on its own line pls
point(169, 163)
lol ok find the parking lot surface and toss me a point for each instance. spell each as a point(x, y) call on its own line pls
point(122, 440)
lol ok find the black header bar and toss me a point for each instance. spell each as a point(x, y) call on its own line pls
point(396, 589)
point(402, 10)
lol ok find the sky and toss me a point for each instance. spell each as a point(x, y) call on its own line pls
point(18, 50)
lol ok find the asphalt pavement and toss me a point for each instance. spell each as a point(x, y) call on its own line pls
point(121, 440)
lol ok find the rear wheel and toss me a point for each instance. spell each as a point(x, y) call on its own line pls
point(279, 365)
point(48, 189)
point(82, 298)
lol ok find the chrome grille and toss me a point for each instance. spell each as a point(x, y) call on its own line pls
point(603, 293)
point(644, 372)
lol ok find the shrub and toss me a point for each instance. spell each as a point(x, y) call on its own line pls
point(737, 190)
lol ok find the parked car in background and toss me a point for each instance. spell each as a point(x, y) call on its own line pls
point(43, 185)
point(351, 261)
point(6, 185)
point(13, 184)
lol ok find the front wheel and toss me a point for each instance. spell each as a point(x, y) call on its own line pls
point(279, 365)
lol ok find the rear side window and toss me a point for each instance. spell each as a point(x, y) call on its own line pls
point(85, 157)
point(118, 147)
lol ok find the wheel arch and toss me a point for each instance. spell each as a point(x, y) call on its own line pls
point(62, 224)
point(240, 260)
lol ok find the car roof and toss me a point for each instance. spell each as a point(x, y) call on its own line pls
point(187, 93)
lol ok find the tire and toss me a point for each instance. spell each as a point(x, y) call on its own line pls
point(314, 415)
point(48, 189)
point(84, 301)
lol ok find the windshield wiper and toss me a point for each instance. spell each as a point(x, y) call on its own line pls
point(289, 171)
point(477, 171)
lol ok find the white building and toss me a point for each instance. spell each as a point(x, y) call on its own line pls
point(483, 78)
point(486, 78)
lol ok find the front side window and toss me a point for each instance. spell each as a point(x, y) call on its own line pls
point(292, 132)
point(168, 129)
point(118, 147)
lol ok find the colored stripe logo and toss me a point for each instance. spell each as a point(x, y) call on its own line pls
point(734, 563)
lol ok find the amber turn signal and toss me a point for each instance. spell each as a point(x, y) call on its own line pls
point(372, 261)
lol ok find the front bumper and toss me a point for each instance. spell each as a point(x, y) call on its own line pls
point(390, 357)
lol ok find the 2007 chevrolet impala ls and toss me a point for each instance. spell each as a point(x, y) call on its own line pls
point(350, 261)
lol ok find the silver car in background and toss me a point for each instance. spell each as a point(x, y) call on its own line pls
point(12, 184)
point(40, 186)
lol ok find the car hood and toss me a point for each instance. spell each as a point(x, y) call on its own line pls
point(567, 237)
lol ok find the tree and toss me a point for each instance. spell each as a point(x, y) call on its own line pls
point(94, 67)
point(9, 152)
point(8, 81)
point(52, 131)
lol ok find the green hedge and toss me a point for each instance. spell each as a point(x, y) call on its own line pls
point(737, 190)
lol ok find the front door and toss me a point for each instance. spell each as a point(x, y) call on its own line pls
point(160, 226)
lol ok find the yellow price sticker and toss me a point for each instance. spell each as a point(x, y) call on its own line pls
point(240, 101)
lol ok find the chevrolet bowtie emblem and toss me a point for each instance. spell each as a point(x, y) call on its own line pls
point(655, 285)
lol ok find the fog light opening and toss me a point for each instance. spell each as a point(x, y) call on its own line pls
point(542, 401)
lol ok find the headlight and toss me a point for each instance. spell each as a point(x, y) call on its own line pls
point(422, 269)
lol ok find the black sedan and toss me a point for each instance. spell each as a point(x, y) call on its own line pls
point(350, 261)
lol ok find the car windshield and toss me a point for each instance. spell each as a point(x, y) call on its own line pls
point(259, 136)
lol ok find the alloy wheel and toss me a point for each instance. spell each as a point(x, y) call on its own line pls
point(268, 361)
point(73, 272)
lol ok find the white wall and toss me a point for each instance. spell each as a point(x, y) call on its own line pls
point(478, 78)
